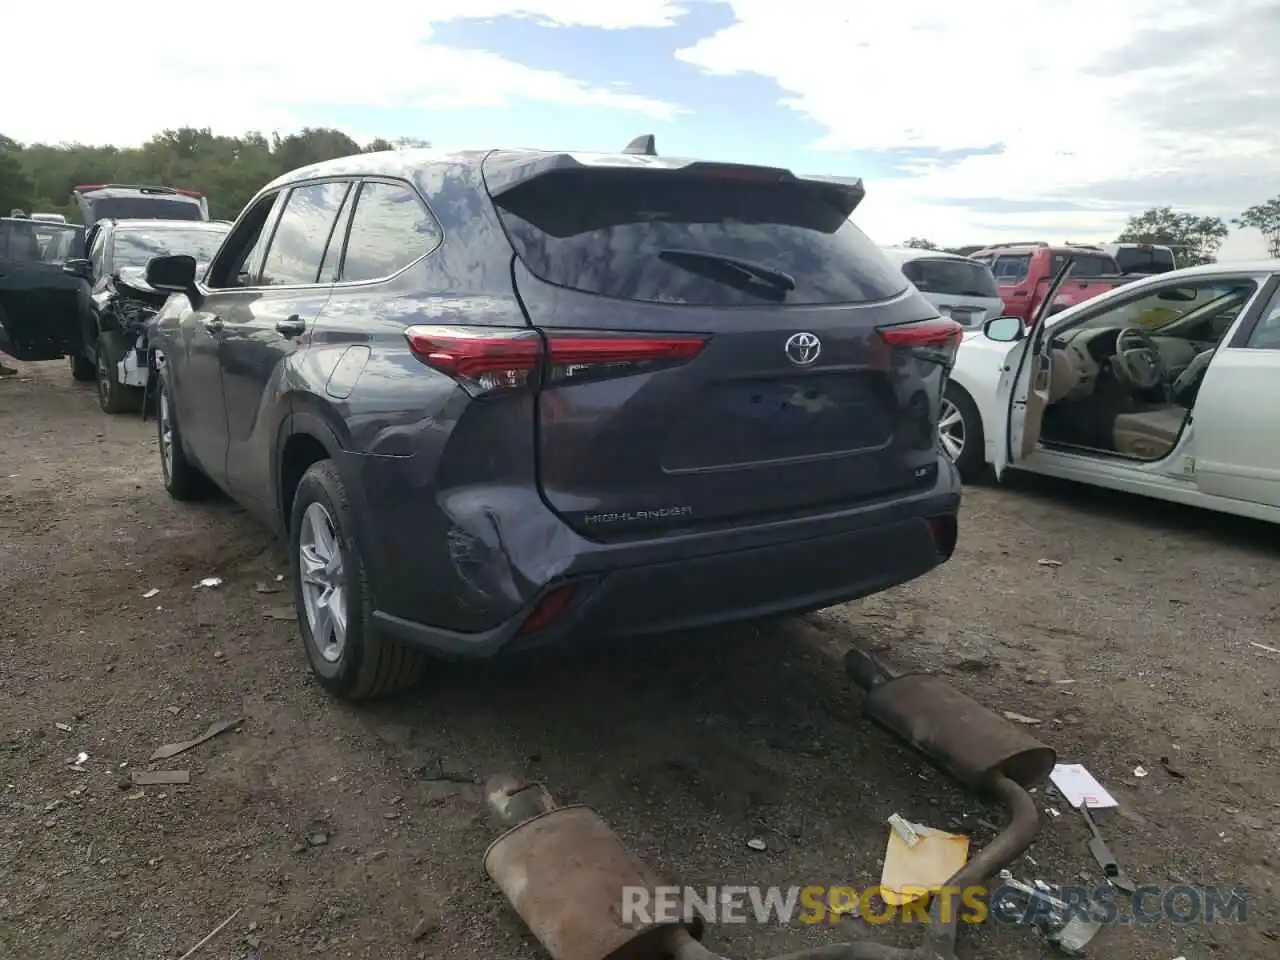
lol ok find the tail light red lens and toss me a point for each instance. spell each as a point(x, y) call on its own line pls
point(935, 340)
point(487, 360)
point(549, 608)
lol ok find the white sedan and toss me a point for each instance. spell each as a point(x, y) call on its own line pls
point(1167, 387)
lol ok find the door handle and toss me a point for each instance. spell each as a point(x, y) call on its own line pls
point(213, 324)
point(295, 326)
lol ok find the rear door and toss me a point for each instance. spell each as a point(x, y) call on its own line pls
point(267, 322)
point(38, 301)
point(964, 290)
point(717, 348)
point(1235, 410)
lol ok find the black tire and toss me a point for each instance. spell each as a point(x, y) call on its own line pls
point(972, 459)
point(183, 480)
point(367, 665)
point(114, 396)
point(82, 368)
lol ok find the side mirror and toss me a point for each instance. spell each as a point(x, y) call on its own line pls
point(176, 274)
point(1004, 329)
point(78, 267)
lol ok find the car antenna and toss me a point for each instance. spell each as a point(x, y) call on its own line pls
point(642, 145)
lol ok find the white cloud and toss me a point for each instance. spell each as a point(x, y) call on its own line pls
point(934, 75)
point(270, 65)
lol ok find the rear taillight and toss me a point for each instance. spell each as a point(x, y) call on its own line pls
point(486, 360)
point(576, 357)
point(935, 340)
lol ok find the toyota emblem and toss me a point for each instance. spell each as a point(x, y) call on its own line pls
point(803, 348)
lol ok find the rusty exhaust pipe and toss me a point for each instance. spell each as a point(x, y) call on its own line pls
point(564, 871)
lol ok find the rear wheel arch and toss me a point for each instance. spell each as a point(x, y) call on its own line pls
point(304, 439)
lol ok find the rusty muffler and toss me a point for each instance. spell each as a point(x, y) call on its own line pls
point(566, 874)
point(953, 731)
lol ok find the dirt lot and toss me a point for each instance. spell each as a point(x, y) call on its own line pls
point(359, 833)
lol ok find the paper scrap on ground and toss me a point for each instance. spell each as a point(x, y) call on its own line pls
point(926, 866)
point(1080, 786)
point(173, 749)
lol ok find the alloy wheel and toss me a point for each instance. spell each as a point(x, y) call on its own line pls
point(951, 433)
point(324, 595)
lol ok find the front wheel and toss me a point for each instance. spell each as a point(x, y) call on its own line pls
point(114, 396)
point(183, 480)
point(335, 609)
point(960, 434)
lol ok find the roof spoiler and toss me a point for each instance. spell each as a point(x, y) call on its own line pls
point(643, 145)
point(504, 172)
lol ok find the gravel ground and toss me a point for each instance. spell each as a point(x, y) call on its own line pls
point(344, 832)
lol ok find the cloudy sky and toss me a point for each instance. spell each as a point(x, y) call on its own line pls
point(1040, 119)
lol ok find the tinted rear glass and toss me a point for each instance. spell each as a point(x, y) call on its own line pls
point(1087, 265)
point(956, 278)
point(641, 237)
point(1144, 261)
point(143, 208)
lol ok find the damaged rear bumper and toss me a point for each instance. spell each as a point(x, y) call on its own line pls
point(568, 589)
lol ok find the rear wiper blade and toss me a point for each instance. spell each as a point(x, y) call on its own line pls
point(756, 271)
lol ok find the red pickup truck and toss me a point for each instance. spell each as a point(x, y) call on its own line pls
point(1024, 272)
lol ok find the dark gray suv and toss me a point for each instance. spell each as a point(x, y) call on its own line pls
point(495, 400)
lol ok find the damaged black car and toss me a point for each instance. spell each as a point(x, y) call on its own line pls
point(116, 302)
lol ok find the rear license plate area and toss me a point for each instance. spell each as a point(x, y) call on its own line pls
point(748, 421)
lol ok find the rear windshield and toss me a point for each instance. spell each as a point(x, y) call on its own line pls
point(958, 278)
point(1151, 260)
point(143, 208)
point(1087, 265)
point(668, 238)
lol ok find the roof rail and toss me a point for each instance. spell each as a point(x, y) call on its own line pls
point(1015, 243)
point(643, 145)
point(1084, 246)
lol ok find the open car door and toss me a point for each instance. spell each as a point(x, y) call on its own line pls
point(1023, 392)
point(39, 302)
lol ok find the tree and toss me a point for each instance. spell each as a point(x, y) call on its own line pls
point(1264, 217)
point(920, 243)
point(1194, 239)
point(227, 170)
point(15, 184)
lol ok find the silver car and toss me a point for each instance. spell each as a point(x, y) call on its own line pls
point(961, 288)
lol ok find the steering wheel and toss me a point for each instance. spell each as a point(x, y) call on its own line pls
point(1137, 360)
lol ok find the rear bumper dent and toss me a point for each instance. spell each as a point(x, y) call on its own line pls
point(687, 592)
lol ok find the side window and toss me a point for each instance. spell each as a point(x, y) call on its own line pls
point(239, 260)
point(1011, 269)
point(98, 252)
point(6, 231)
point(390, 229)
point(302, 234)
point(1266, 333)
